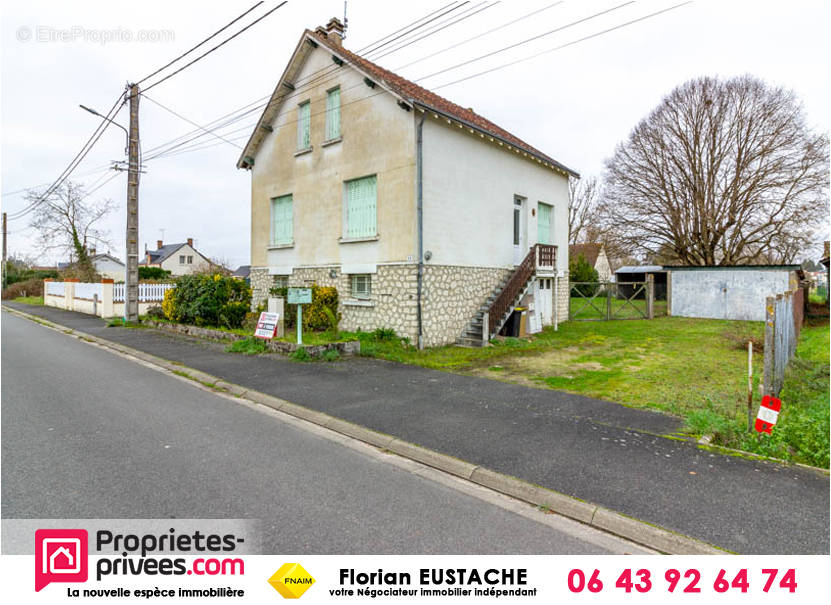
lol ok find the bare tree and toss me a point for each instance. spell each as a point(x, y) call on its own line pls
point(721, 172)
point(583, 196)
point(67, 222)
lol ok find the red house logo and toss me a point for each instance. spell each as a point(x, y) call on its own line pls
point(60, 556)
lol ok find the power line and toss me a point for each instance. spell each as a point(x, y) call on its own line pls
point(223, 43)
point(213, 35)
point(191, 122)
point(439, 16)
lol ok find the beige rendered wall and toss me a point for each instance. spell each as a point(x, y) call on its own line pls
point(378, 138)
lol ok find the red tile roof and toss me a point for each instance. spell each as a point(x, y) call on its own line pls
point(421, 96)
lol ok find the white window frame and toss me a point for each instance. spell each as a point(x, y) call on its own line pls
point(550, 222)
point(281, 281)
point(304, 125)
point(181, 259)
point(331, 111)
point(358, 290)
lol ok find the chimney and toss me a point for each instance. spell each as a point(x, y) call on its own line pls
point(158, 244)
point(334, 31)
point(190, 242)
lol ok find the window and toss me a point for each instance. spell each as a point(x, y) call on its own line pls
point(182, 259)
point(333, 114)
point(190, 260)
point(281, 281)
point(361, 285)
point(545, 233)
point(361, 204)
point(282, 221)
point(304, 123)
point(517, 220)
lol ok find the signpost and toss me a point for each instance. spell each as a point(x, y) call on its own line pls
point(300, 297)
point(768, 414)
point(267, 325)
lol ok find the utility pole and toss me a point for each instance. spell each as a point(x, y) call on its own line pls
point(131, 272)
point(4, 250)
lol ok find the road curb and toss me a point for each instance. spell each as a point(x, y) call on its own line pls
point(641, 532)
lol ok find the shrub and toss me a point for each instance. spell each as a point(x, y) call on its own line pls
point(32, 287)
point(384, 334)
point(153, 273)
point(301, 354)
point(19, 272)
point(321, 315)
point(331, 355)
point(209, 300)
point(169, 305)
point(247, 346)
point(579, 270)
point(156, 312)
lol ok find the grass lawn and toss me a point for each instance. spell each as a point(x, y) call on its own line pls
point(29, 300)
point(693, 368)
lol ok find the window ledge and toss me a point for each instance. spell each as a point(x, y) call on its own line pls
point(303, 151)
point(352, 240)
point(280, 246)
point(354, 302)
point(331, 141)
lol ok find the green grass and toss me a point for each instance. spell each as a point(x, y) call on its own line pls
point(29, 300)
point(595, 308)
point(247, 346)
point(693, 368)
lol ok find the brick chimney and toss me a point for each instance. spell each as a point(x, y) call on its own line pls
point(158, 244)
point(190, 242)
point(334, 31)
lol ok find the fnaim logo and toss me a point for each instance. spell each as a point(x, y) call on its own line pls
point(60, 556)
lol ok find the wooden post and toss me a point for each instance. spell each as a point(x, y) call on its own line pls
point(609, 303)
point(650, 296)
point(767, 385)
point(133, 168)
point(749, 385)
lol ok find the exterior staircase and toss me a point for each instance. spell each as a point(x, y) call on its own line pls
point(495, 311)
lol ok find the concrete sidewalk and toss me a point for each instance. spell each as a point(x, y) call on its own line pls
point(593, 450)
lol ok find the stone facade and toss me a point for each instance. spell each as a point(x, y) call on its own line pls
point(561, 305)
point(261, 283)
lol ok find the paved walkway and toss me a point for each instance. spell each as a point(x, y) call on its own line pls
point(598, 451)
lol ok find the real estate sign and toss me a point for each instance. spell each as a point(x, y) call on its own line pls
point(267, 325)
point(300, 296)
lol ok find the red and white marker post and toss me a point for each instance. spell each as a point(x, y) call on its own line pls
point(768, 414)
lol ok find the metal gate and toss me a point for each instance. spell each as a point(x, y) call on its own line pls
point(605, 301)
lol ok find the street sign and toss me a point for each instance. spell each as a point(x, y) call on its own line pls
point(267, 325)
point(768, 414)
point(300, 296)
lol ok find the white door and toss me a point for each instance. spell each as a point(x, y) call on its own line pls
point(544, 303)
point(519, 235)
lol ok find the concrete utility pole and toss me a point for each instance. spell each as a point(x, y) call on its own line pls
point(131, 272)
point(4, 250)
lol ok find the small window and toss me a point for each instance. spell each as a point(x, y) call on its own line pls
point(361, 202)
point(545, 229)
point(282, 220)
point(361, 286)
point(182, 259)
point(304, 124)
point(190, 260)
point(281, 281)
point(333, 114)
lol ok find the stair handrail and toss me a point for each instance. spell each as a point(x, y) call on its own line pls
point(514, 287)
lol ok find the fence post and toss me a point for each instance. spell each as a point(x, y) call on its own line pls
point(69, 294)
point(609, 303)
point(107, 287)
point(669, 293)
point(650, 296)
point(749, 385)
point(767, 387)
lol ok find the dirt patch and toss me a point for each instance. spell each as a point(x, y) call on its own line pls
point(530, 370)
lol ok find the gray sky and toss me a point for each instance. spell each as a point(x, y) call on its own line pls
point(575, 103)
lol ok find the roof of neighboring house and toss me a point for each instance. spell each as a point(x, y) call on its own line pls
point(106, 256)
point(162, 254)
point(642, 269)
point(407, 90)
point(588, 251)
point(732, 267)
point(242, 271)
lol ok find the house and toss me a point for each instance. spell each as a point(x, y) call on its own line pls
point(428, 218)
point(595, 255)
point(728, 291)
point(243, 272)
point(179, 259)
point(104, 264)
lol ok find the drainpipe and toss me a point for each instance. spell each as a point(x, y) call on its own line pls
point(420, 219)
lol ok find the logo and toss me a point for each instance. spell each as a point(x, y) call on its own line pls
point(60, 556)
point(291, 580)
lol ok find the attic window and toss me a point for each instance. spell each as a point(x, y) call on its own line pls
point(304, 122)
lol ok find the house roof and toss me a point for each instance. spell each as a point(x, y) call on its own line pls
point(106, 256)
point(397, 85)
point(641, 269)
point(242, 271)
point(162, 254)
point(589, 251)
point(732, 267)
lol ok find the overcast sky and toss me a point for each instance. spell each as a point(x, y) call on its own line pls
point(575, 103)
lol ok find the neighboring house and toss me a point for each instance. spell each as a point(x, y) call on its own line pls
point(179, 259)
point(417, 210)
point(242, 272)
point(105, 264)
point(728, 291)
point(595, 255)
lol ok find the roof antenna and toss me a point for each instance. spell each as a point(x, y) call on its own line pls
point(345, 21)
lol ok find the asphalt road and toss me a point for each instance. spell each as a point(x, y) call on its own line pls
point(89, 434)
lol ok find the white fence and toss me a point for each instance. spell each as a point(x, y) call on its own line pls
point(55, 288)
point(88, 291)
point(146, 292)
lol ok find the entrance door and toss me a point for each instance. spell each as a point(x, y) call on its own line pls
point(544, 305)
point(519, 235)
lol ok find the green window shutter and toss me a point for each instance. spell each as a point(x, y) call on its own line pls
point(304, 122)
point(282, 220)
point(361, 202)
point(544, 227)
point(333, 114)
